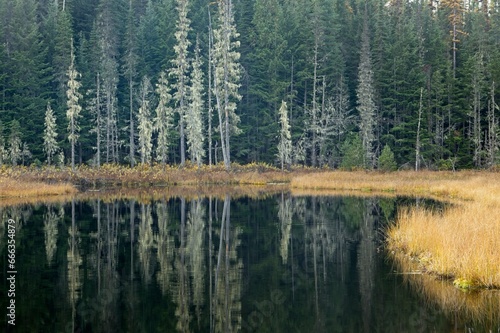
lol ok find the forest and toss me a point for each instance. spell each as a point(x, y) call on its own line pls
point(323, 83)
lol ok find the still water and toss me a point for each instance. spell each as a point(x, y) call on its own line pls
point(225, 264)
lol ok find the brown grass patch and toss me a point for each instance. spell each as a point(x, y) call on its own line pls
point(18, 188)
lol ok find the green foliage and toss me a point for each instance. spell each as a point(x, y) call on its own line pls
point(353, 153)
point(386, 160)
point(296, 51)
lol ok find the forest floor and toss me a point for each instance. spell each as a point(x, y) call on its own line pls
point(461, 243)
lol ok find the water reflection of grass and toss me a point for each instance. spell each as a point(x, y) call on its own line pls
point(462, 242)
point(478, 307)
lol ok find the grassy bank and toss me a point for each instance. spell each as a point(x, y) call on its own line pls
point(462, 243)
point(19, 188)
point(123, 176)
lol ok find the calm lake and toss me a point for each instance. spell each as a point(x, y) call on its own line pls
point(197, 264)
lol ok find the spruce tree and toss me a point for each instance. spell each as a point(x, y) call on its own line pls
point(386, 160)
point(285, 143)
point(194, 116)
point(73, 103)
point(15, 143)
point(164, 118)
point(145, 124)
point(366, 96)
point(180, 70)
point(50, 145)
point(3, 150)
point(227, 74)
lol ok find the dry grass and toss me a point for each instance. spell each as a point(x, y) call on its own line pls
point(18, 188)
point(145, 175)
point(463, 242)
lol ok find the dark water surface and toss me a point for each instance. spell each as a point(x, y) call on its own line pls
point(278, 264)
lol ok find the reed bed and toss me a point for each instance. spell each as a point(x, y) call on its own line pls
point(110, 175)
point(461, 243)
point(18, 188)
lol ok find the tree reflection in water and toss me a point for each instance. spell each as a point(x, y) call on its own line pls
point(226, 264)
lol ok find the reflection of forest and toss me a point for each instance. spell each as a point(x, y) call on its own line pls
point(332, 229)
point(214, 264)
point(168, 240)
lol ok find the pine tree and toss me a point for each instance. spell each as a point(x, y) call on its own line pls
point(164, 118)
point(366, 96)
point(194, 117)
point(145, 124)
point(226, 76)
point(74, 108)
point(50, 145)
point(285, 143)
point(180, 70)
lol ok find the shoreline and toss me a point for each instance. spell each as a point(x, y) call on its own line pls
point(462, 243)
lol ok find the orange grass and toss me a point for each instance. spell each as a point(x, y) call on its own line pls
point(461, 242)
point(18, 188)
point(145, 175)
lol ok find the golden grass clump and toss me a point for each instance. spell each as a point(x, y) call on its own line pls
point(19, 188)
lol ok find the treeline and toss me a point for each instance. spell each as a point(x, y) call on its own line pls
point(317, 82)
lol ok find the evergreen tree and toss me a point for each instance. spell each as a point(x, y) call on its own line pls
point(226, 76)
point(3, 149)
point(353, 153)
point(73, 103)
point(28, 74)
point(285, 143)
point(194, 116)
point(15, 143)
point(366, 96)
point(386, 160)
point(130, 71)
point(145, 124)
point(62, 57)
point(180, 70)
point(107, 53)
point(164, 118)
point(50, 145)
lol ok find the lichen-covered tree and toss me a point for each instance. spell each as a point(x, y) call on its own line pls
point(130, 61)
point(227, 73)
point(50, 146)
point(164, 118)
point(285, 143)
point(3, 150)
point(107, 52)
point(365, 93)
point(492, 144)
point(180, 70)
point(194, 116)
point(74, 107)
point(145, 123)
point(15, 143)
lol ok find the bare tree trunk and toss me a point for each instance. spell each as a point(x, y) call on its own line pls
point(417, 145)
